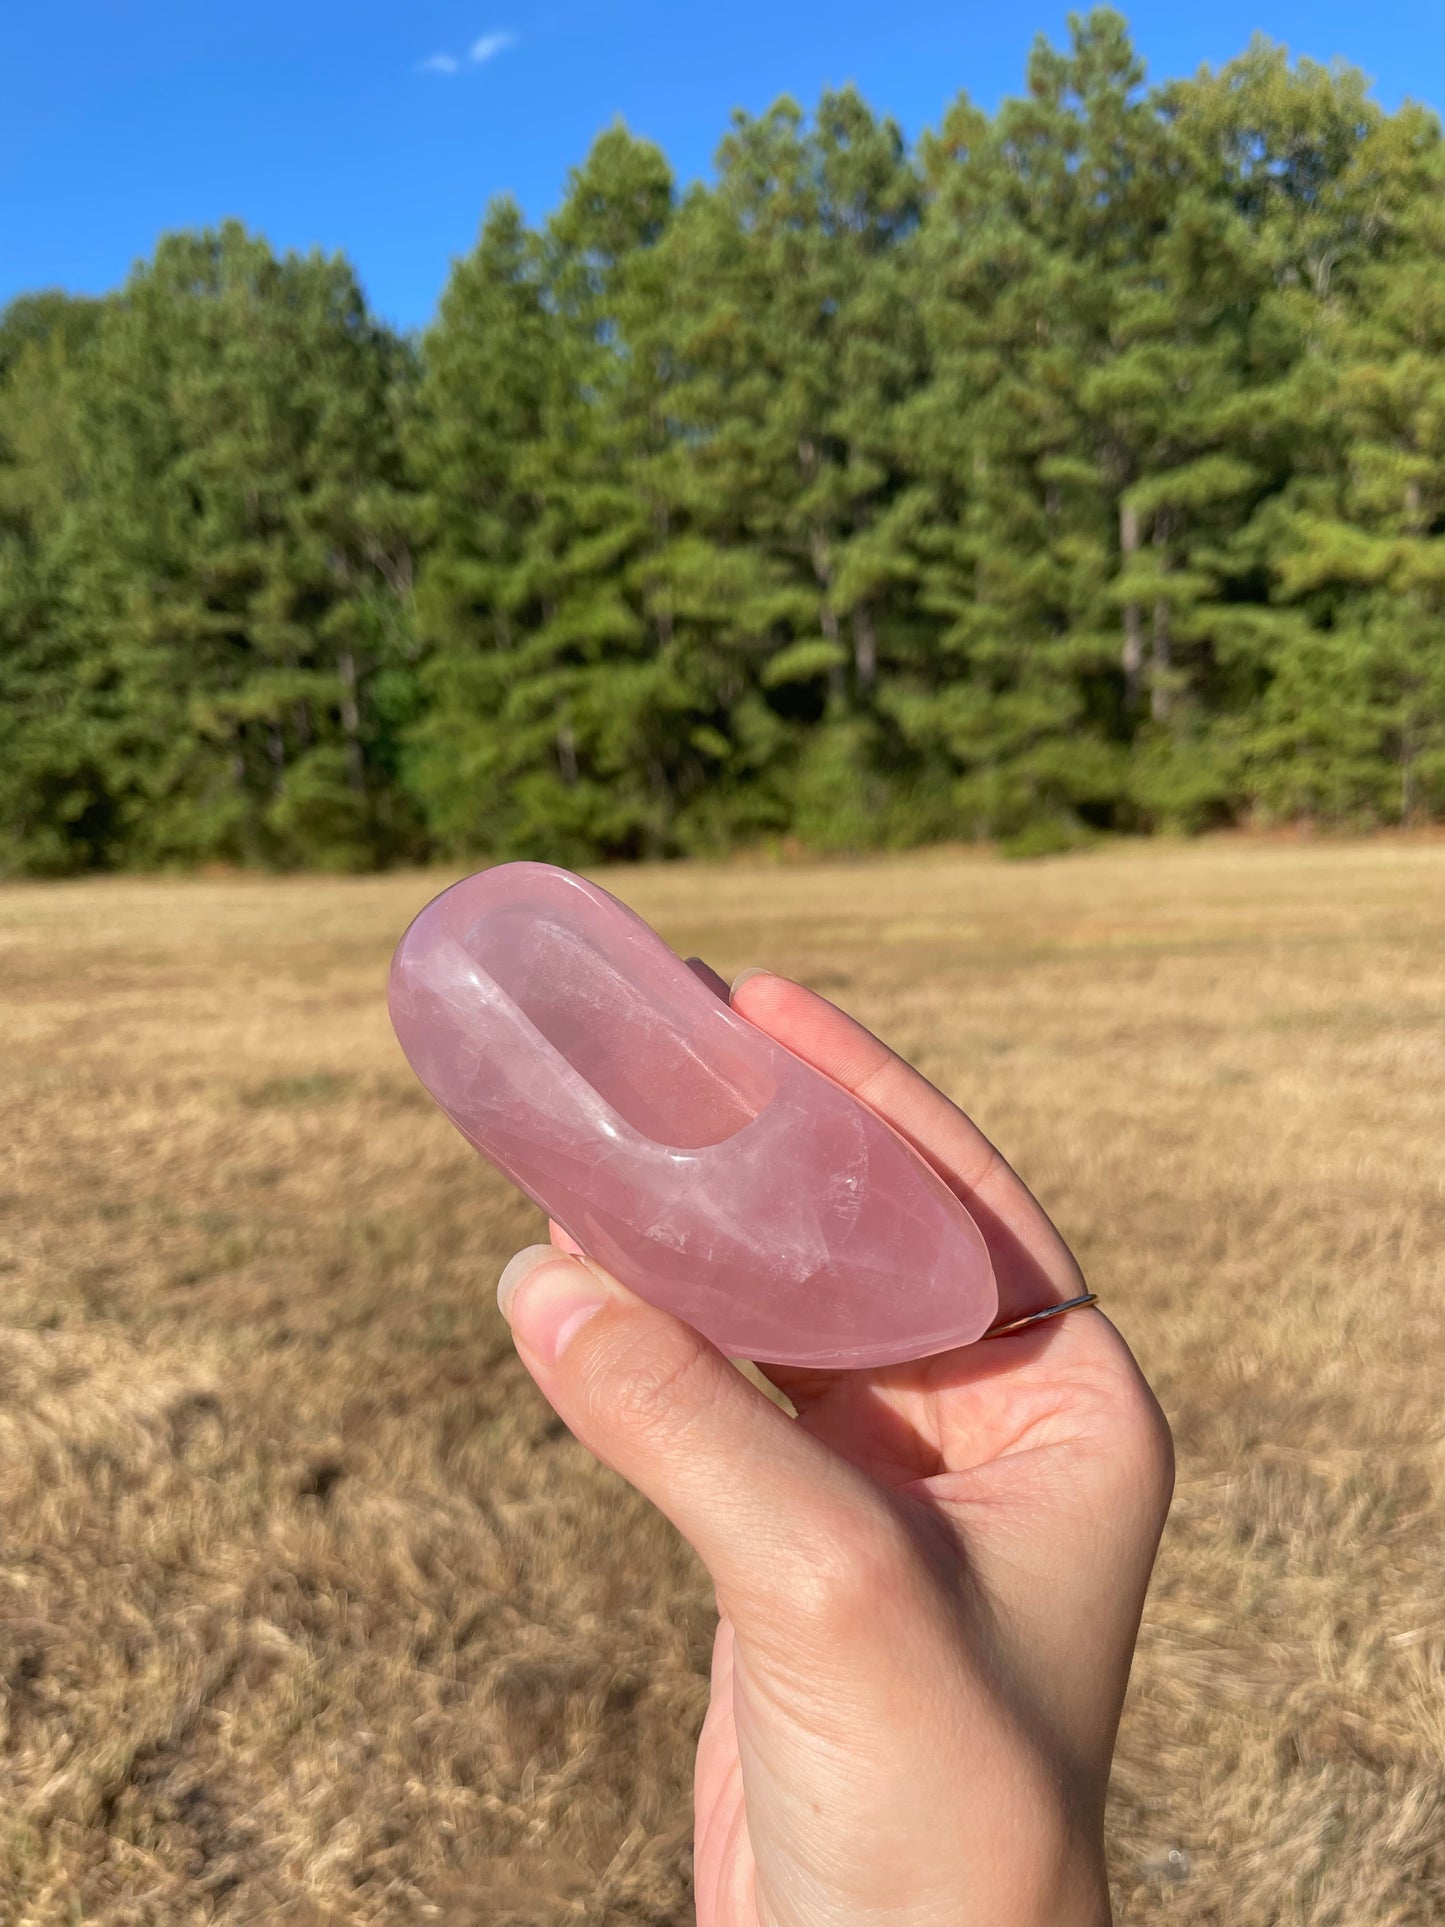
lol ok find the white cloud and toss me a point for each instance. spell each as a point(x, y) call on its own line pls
point(492, 44)
point(479, 53)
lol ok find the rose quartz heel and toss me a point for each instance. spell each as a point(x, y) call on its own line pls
point(684, 1150)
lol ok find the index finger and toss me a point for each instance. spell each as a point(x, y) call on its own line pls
point(1031, 1260)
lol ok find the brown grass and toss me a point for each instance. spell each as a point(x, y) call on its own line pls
point(309, 1610)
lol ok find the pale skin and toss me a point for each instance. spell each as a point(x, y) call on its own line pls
point(928, 1583)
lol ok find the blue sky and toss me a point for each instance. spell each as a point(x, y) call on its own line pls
point(383, 129)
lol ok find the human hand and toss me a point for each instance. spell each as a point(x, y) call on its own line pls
point(928, 1583)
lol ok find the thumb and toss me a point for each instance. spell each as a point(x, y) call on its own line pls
point(784, 1526)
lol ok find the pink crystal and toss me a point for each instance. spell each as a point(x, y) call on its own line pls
point(683, 1149)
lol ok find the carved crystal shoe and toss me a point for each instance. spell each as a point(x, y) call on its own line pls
point(687, 1152)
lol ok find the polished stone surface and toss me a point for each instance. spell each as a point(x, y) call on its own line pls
point(679, 1146)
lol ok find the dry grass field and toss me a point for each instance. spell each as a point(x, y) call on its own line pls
point(310, 1612)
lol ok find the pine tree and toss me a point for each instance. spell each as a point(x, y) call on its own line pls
point(488, 378)
point(1080, 474)
point(58, 797)
point(1353, 726)
point(1034, 221)
point(806, 350)
point(238, 556)
point(1291, 177)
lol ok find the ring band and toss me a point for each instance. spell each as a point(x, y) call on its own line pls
point(1037, 1317)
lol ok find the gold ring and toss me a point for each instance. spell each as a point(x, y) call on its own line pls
point(1037, 1317)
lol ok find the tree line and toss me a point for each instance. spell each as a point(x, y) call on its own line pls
point(1082, 469)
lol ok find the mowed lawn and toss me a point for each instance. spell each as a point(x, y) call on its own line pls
point(309, 1610)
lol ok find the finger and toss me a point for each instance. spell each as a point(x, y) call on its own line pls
point(838, 1045)
point(773, 1514)
point(1033, 1265)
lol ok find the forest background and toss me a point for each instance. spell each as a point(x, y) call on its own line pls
point(1079, 470)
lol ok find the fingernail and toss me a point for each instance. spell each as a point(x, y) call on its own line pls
point(547, 1299)
point(753, 970)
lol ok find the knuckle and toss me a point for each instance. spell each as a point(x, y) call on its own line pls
point(1161, 1461)
point(1149, 1443)
point(650, 1390)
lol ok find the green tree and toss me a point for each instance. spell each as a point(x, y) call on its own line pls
point(1079, 474)
point(238, 557)
point(804, 346)
point(1036, 222)
point(1353, 724)
point(488, 381)
point(58, 808)
point(562, 686)
point(1294, 182)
